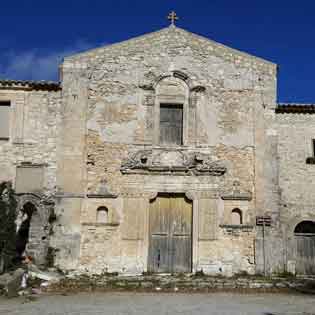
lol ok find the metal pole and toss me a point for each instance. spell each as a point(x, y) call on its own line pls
point(264, 250)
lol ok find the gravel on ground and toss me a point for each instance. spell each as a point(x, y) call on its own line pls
point(159, 303)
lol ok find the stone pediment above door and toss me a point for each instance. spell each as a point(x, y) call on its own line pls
point(172, 162)
point(236, 193)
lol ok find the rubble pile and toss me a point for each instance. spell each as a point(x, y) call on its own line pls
point(25, 282)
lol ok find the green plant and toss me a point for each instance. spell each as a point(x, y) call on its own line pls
point(8, 207)
point(284, 274)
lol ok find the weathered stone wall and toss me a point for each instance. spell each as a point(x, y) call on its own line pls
point(34, 117)
point(296, 177)
point(114, 94)
point(33, 133)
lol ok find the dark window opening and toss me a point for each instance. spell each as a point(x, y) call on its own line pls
point(313, 146)
point(171, 124)
point(305, 227)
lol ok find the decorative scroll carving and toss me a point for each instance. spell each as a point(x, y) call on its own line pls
point(191, 195)
point(198, 88)
point(151, 80)
point(181, 75)
point(137, 160)
point(170, 162)
point(146, 86)
point(207, 165)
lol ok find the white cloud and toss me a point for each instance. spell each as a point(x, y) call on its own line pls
point(37, 65)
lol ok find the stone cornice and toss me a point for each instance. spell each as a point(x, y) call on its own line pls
point(99, 196)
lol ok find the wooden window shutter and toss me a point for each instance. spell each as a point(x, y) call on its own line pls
point(171, 124)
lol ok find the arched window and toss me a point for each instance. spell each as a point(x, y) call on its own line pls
point(171, 111)
point(102, 215)
point(236, 217)
point(305, 227)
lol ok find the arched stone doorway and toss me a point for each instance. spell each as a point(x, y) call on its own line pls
point(304, 236)
point(23, 227)
point(33, 228)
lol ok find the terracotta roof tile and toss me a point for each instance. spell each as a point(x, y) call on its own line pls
point(33, 85)
point(295, 108)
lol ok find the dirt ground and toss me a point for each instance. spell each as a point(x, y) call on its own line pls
point(159, 303)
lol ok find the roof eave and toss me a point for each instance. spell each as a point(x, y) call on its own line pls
point(295, 108)
point(30, 85)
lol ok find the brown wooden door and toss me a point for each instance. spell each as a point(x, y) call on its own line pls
point(305, 254)
point(170, 242)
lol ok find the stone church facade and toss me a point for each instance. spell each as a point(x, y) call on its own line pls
point(158, 154)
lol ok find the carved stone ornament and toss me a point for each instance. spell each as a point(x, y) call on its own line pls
point(171, 162)
point(146, 86)
point(236, 193)
point(102, 191)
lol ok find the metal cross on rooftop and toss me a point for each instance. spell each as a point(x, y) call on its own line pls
point(172, 17)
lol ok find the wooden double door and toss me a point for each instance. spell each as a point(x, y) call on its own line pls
point(170, 239)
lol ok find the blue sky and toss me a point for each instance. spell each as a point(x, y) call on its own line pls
point(35, 35)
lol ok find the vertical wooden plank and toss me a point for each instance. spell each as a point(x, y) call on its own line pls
point(181, 234)
point(171, 124)
point(305, 254)
point(159, 228)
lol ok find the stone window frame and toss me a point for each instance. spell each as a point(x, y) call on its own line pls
point(179, 101)
point(194, 98)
